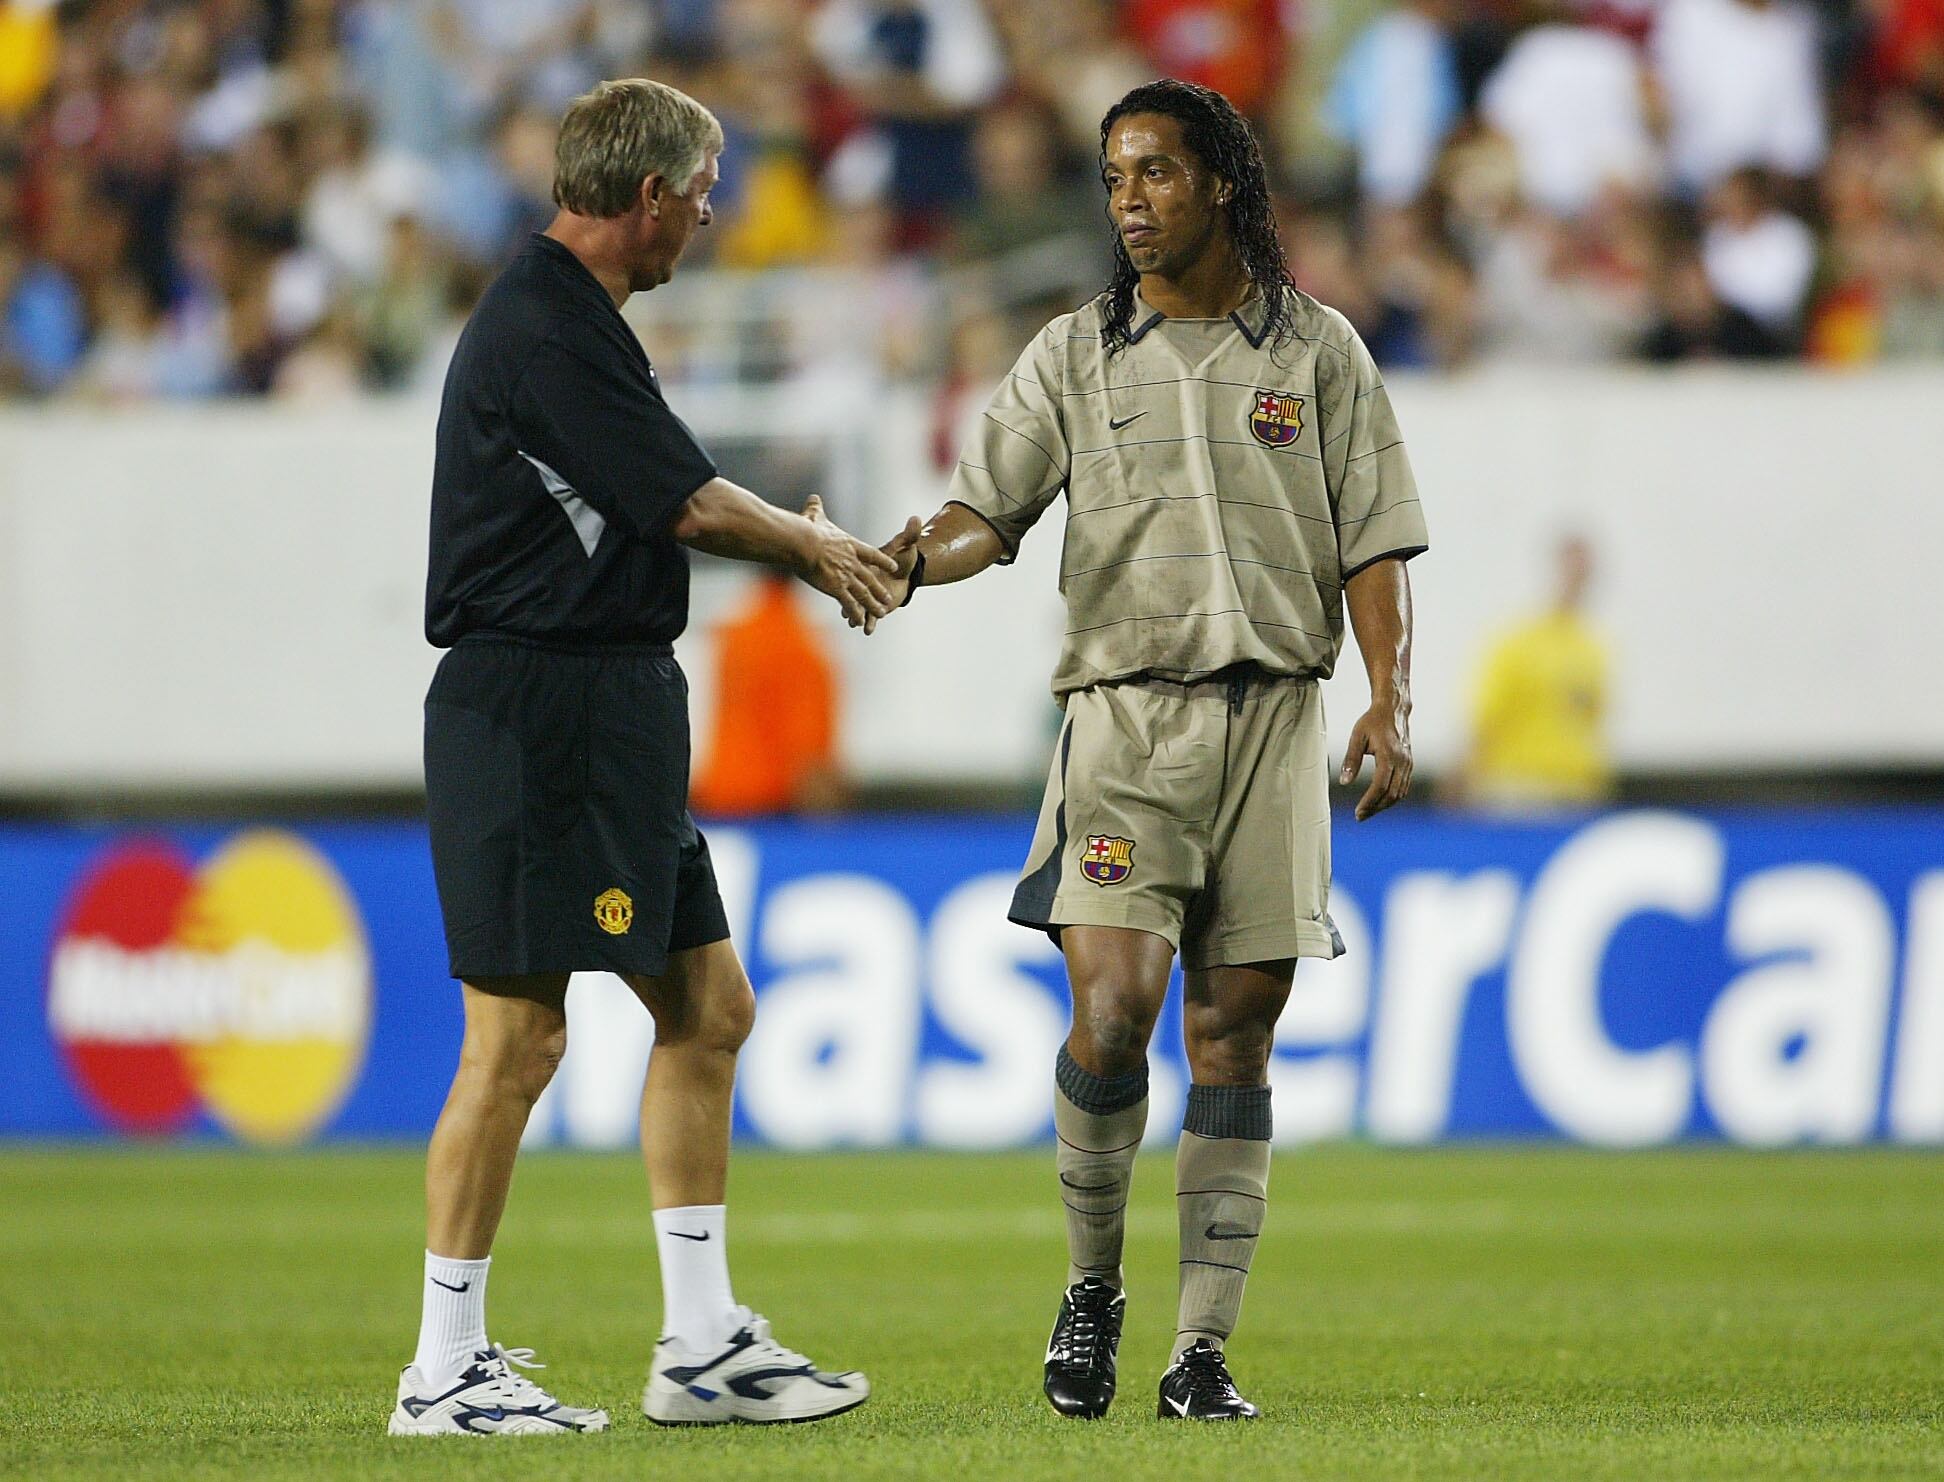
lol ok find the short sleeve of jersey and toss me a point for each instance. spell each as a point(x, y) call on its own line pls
point(1373, 492)
point(590, 412)
point(1016, 459)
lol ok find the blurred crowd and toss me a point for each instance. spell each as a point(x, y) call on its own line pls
point(300, 198)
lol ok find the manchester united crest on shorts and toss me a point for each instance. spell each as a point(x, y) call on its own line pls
point(1276, 418)
point(613, 912)
point(1108, 860)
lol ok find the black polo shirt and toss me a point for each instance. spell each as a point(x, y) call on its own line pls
point(559, 468)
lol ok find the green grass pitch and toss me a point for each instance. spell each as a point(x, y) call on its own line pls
point(1460, 1313)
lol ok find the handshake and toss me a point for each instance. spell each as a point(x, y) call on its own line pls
point(867, 582)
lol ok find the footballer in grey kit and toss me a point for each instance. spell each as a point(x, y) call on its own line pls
point(1235, 481)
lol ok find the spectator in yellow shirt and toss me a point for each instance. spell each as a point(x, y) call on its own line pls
point(27, 54)
point(1539, 707)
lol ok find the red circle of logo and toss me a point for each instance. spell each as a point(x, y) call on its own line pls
point(129, 1065)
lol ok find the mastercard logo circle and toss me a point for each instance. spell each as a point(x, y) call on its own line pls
point(240, 987)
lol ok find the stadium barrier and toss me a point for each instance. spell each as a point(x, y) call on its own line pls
point(1759, 592)
point(1622, 979)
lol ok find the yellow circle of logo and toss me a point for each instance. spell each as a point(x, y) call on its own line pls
point(272, 911)
point(613, 912)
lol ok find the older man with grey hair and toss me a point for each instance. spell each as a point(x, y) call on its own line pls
point(564, 493)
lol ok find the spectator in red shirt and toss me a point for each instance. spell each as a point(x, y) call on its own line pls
point(1233, 46)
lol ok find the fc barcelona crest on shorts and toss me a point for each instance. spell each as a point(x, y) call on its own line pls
point(1108, 860)
point(613, 912)
point(1276, 418)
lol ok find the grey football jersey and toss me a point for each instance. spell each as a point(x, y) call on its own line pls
point(1220, 488)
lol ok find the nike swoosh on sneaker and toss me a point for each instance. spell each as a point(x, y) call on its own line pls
point(1114, 426)
point(1211, 1233)
point(757, 1384)
point(689, 1373)
point(1178, 1406)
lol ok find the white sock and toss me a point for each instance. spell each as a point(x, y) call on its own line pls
point(452, 1327)
point(697, 1308)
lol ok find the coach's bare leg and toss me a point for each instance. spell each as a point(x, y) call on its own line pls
point(1222, 1165)
point(703, 1008)
point(516, 1032)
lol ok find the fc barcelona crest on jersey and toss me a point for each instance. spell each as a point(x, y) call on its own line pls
point(1108, 860)
point(1276, 418)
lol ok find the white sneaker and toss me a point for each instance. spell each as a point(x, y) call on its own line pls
point(753, 1379)
point(488, 1399)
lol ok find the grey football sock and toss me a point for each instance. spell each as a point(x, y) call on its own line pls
point(1221, 1193)
point(1099, 1121)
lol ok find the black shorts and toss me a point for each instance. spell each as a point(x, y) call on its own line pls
point(556, 785)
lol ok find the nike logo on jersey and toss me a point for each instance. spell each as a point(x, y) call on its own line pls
point(1211, 1233)
point(1116, 426)
point(464, 1286)
point(684, 1235)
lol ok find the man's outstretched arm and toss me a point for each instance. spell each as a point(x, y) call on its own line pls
point(1379, 598)
point(725, 519)
point(953, 545)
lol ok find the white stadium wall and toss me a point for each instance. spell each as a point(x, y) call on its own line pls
point(230, 597)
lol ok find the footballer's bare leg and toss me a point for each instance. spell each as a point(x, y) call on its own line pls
point(1221, 1175)
point(704, 1008)
point(459, 1382)
point(1100, 1103)
point(1119, 978)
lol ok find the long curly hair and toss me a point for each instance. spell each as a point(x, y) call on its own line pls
point(1223, 141)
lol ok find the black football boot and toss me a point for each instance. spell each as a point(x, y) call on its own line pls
point(1198, 1387)
point(1080, 1354)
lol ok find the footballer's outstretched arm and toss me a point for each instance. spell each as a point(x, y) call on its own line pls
point(954, 544)
point(1379, 598)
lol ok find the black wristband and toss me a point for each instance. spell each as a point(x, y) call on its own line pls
point(915, 580)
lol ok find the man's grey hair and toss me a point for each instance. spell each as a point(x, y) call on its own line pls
point(616, 136)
